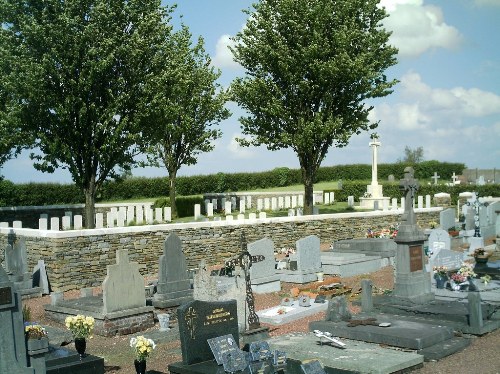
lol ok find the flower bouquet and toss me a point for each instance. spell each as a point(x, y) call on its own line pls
point(440, 271)
point(462, 276)
point(80, 326)
point(390, 233)
point(142, 347)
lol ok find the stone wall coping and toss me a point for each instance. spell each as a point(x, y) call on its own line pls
point(180, 226)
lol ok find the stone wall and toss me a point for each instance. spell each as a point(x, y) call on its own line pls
point(78, 258)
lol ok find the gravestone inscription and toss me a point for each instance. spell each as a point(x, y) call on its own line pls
point(221, 346)
point(202, 320)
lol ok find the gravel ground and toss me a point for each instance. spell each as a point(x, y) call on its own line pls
point(481, 357)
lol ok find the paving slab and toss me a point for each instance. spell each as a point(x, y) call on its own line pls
point(293, 312)
point(357, 357)
point(400, 333)
point(349, 264)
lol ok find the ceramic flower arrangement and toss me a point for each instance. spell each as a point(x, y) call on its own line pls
point(34, 331)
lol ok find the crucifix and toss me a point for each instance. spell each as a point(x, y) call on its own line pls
point(245, 261)
point(410, 186)
point(476, 204)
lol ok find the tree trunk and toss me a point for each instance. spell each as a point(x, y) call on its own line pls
point(90, 191)
point(308, 175)
point(173, 206)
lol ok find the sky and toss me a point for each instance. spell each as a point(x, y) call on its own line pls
point(447, 99)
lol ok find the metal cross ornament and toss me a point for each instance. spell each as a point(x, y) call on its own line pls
point(245, 261)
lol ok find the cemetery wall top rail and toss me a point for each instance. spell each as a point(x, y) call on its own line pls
point(205, 224)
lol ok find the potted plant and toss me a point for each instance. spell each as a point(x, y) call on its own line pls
point(440, 275)
point(453, 231)
point(462, 277)
point(481, 256)
point(143, 347)
point(81, 327)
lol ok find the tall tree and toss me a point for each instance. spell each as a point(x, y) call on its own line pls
point(413, 156)
point(310, 65)
point(78, 70)
point(184, 104)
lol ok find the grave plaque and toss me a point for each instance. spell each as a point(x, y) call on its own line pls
point(221, 346)
point(279, 358)
point(6, 300)
point(202, 320)
point(415, 258)
point(260, 351)
point(312, 367)
point(304, 301)
point(235, 361)
point(260, 368)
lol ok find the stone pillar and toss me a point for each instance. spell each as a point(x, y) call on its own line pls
point(366, 295)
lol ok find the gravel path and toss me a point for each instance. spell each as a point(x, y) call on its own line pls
point(481, 357)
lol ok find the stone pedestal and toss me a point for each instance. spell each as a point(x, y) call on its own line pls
point(412, 281)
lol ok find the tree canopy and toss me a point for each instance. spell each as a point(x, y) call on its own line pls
point(310, 66)
point(183, 105)
point(76, 71)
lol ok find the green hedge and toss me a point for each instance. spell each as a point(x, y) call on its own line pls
point(140, 187)
point(357, 189)
point(185, 204)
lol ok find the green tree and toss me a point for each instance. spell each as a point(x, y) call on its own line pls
point(310, 65)
point(184, 103)
point(78, 69)
point(413, 156)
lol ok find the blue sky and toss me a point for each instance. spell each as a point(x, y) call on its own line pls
point(447, 101)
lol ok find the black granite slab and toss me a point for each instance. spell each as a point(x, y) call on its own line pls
point(202, 320)
point(64, 361)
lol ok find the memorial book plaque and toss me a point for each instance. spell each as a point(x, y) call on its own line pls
point(312, 367)
point(260, 351)
point(235, 361)
point(222, 346)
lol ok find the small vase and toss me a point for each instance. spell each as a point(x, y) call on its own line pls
point(481, 259)
point(81, 346)
point(140, 366)
point(440, 281)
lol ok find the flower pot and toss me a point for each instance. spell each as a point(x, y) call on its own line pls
point(81, 346)
point(140, 366)
point(440, 281)
point(481, 259)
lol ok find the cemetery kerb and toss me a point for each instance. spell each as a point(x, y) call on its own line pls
point(78, 258)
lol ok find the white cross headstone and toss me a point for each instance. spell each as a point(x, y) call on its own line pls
point(78, 222)
point(435, 177)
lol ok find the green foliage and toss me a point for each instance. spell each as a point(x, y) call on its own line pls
point(78, 71)
point(310, 65)
point(134, 187)
point(26, 313)
point(36, 194)
point(413, 156)
point(185, 204)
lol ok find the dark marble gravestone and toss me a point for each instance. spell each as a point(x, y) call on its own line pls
point(200, 321)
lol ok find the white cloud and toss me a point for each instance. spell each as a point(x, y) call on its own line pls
point(223, 56)
point(487, 2)
point(418, 28)
point(238, 151)
point(454, 102)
